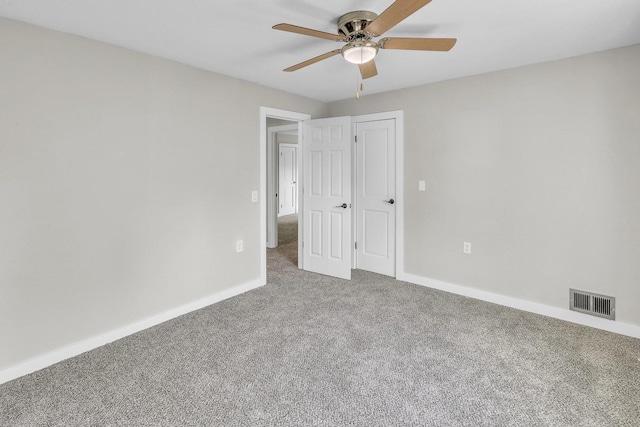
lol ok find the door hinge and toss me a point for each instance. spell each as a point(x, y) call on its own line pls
point(356, 245)
point(355, 138)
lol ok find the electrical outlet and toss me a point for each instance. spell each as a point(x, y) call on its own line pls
point(239, 246)
point(421, 186)
point(466, 248)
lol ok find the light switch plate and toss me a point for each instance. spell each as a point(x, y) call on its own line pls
point(421, 186)
point(254, 196)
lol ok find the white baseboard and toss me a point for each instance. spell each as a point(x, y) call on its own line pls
point(532, 307)
point(58, 355)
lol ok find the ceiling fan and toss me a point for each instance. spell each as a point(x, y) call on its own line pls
point(358, 29)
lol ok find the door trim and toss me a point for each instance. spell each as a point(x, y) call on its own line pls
point(276, 114)
point(398, 116)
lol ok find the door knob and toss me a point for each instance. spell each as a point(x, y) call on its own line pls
point(343, 206)
point(390, 201)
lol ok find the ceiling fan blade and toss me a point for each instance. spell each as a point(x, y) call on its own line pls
point(307, 32)
point(312, 60)
point(442, 45)
point(398, 11)
point(368, 69)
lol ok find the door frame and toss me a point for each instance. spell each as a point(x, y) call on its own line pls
point(274, 113)
point(272, 181)
point(398, 116)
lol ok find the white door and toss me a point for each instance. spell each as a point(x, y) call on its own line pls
point(327, 200)
point(287, 179)
point(375, 207)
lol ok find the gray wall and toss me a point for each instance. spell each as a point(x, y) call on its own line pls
point(125, 181)
point(278, 122)
point(538, 167)
point(286, 138)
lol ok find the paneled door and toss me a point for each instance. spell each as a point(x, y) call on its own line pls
point(376, 198)
point(327, 200)
point(287, 179)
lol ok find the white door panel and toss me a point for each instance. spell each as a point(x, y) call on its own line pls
point(287, 180)
point(315, 241)
point(375, 236)
point(336, 232)
point(327, 188)
point(376, 186)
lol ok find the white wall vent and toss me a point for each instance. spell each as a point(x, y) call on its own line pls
point(594, 304)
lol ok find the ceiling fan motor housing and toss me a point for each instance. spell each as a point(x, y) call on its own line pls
point(352, 25)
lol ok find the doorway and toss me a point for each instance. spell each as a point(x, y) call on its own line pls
point(282, 189)
point(268, 207)
point(389, 261)
point(281, 133)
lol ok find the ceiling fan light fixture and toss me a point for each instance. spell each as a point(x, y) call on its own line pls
point(360, 51)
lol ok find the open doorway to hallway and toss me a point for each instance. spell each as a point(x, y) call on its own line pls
point(273, 118)
point(282, 174)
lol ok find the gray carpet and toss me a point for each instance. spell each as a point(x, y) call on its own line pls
point(311, 350)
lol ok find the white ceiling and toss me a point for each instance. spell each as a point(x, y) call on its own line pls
point(235, 38)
